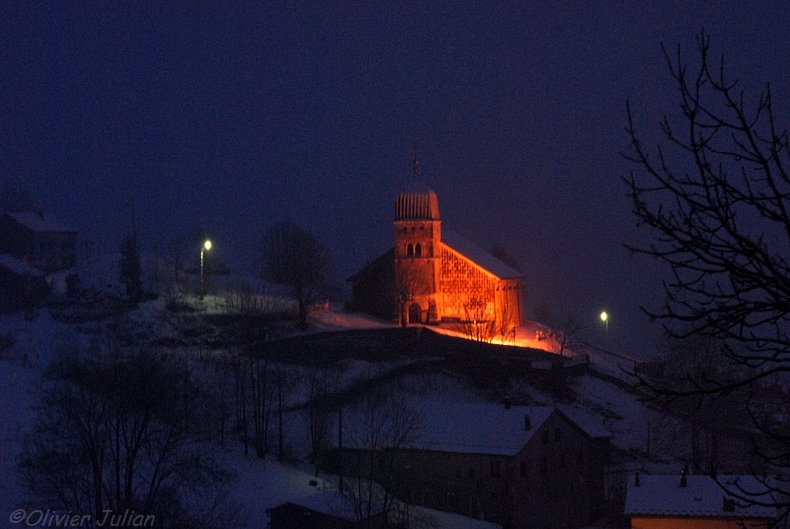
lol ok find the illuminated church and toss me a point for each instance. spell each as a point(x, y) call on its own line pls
point(434, 277)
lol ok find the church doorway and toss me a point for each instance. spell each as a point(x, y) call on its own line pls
point(414, 313)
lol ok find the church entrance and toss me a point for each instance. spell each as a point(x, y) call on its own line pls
point(415, 313)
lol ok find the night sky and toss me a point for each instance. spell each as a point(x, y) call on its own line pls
point(225, 118)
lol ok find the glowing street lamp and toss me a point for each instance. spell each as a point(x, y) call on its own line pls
point(206, 247)
point(605, 320)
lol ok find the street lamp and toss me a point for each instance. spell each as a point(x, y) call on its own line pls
point(206, 246)
point(605, 320)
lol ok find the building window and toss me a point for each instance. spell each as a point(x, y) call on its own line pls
point(409, 250)
point(495, 468)
point(557, 434)
point(546, 437)
point(418, 250)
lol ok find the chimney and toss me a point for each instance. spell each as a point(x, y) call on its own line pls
point(527, 422)
point(683, 479)
point(636, 479)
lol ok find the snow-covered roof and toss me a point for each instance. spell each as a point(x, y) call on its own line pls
point(18, 267)
point(330, 503)
point(38, 222)
point(482, 428)
point(480, 256)
point(702, 497)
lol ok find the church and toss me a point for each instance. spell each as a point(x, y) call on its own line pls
point(434, 277)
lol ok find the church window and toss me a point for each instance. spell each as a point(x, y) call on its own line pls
point(409, 250)
point(418, 250)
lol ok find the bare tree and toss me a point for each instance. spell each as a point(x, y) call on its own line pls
point(385, 424)
point(715, 196)
point(479, 325)
point(294, 257)
point(563, 338)
point(121, 431)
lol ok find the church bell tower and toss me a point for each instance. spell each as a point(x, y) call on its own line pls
point(418, 235)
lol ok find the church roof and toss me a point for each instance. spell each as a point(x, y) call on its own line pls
point(481, 257)
point(417, 202)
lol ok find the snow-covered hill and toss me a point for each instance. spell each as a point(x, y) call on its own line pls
point(594, 400)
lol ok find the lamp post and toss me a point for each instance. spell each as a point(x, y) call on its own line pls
point(605, 320)
point(204, 248)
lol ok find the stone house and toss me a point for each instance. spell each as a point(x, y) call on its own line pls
point(518, 466)
point(433, 275)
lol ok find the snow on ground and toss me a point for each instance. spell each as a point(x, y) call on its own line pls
point(332, 320)
point(261, 484)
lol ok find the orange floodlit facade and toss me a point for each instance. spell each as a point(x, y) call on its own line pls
point(430, 277)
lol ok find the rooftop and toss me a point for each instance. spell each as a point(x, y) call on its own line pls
point(481, 257)
point(38, 222)
point(702, 497)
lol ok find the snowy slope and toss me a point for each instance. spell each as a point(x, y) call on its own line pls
point(261, 484)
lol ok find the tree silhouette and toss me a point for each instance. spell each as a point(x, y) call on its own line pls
point(294, 257)
point(715, 197)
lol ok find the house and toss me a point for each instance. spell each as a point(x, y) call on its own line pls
point(21, 285)
point(697, 502)
point(41, 243)
point(434, 276)
point(323, 510)
point(518, 466)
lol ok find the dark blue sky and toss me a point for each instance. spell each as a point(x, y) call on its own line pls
point(228, 117)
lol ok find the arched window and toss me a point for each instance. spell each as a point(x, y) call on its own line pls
point(409, 250)
point(418, 250)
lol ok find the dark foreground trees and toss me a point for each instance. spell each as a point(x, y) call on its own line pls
point(293, 256)
point(715, 198)
point(122, 432)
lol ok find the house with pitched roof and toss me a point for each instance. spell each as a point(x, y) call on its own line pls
point(698, 502)
point(35, 250)
point(519, 466)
